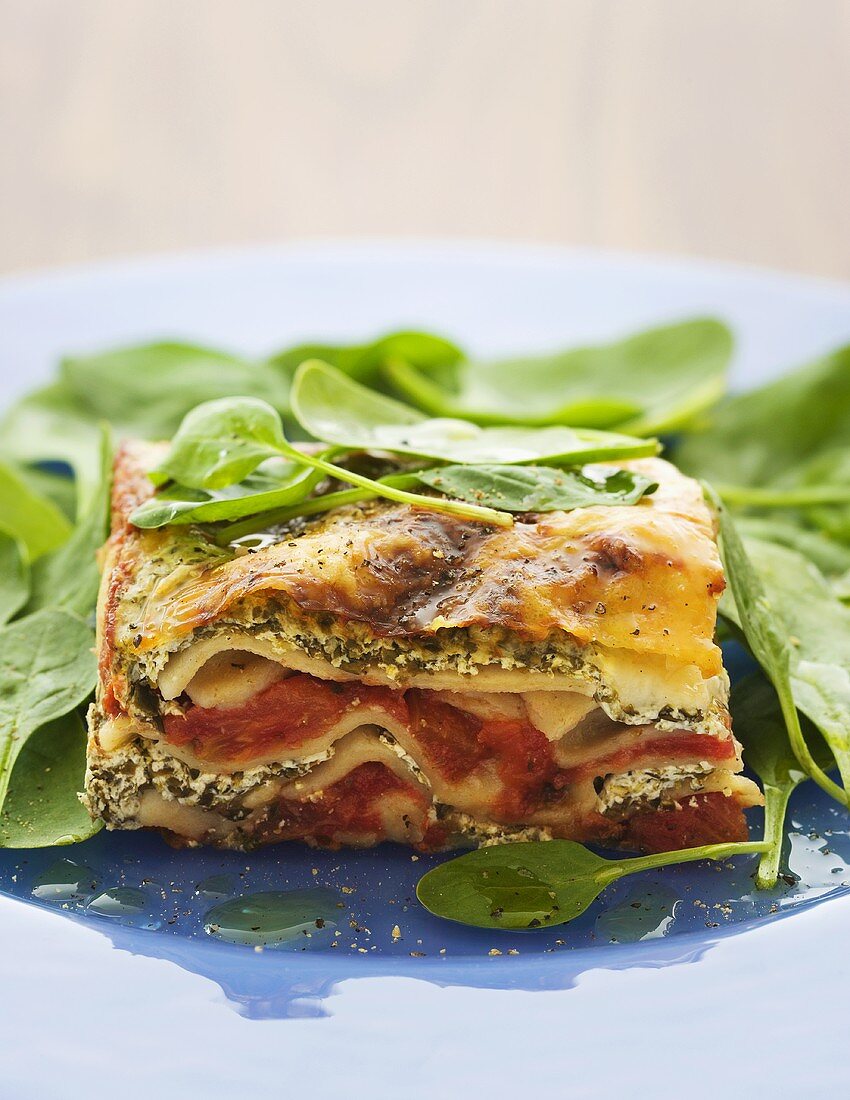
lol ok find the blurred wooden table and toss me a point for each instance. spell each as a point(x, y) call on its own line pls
point(718, 129)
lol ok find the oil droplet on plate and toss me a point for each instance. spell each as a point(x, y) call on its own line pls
point(642, 915)
point(276, 917)
point(215, 887)
point(65, 881)
point(118, 902)
point(815, 861)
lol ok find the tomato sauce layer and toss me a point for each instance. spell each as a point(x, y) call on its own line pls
point(449, 741)
point(286, 715)
point(350, 807)
point(701, 819)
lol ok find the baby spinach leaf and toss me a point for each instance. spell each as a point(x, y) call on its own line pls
point(221, 442)
point(539, 884)
point(759, 725)
point(148, 389)
point(55, 484)
point(311, 506)
point(761, 437)
point(364, 362)
point(517, 885)
point(817, 626)
point(830, 556)
point(276, 484)
point(33, 520)
point(328, 403)
point(340, 411)
point(651, 382)
point(827, 476)
point(141, 391)
point(385, 487)
point(47, 667)
point(224, 441)
point(42, 806)
point(51, 425)
point(68, 577)
point(539, 488)
point(761, 610)
point(14, 577)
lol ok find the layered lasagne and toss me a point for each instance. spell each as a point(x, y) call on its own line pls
point(388, 673)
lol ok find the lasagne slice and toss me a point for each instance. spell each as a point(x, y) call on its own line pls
point(388, 673)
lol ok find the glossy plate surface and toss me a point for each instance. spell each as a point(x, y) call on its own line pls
point(110, 977)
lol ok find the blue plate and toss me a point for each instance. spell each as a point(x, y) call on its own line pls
point(370, 992)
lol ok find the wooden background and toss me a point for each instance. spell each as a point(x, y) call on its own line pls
point(718, 128)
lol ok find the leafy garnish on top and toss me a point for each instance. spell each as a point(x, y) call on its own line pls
point(230, 460)
point(334, 408)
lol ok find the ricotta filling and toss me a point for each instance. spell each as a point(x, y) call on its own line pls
point(115, 782)
point(651, 786)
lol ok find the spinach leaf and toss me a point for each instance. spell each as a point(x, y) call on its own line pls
point(42, 807)
point(830, 556)
point(817, 625)
point(14, 577)
point(33, 520)
point(539, 488)
point(141, 391)
point(275, 485)
point(55, 484)
point(760, 438)
point(222, 442)
point(364, 362)
point(69, 577)
point(828, 476)
point(759, 725)
point(47, 667)
point(340, 411)
point(758, 610)
point(50, 425)
point(387, 488)
point(538, 884)
point(652, 382)
point(789, 496)
point(148, 389)
point(312, 506)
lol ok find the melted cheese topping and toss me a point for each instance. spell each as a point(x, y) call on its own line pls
point(644, 578)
